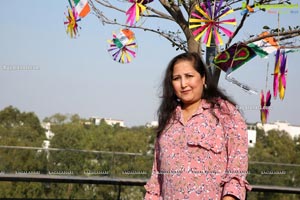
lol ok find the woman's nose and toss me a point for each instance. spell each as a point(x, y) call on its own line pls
point(183, 82)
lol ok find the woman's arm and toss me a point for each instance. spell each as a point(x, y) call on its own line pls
point(153, 187)
point(234, 180)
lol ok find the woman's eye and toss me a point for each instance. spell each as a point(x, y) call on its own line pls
point(175, 78)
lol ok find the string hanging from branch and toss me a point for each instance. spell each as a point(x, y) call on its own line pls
point(265, 103)
point(280, 71)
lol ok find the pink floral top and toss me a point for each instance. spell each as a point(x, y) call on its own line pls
point(201, 159)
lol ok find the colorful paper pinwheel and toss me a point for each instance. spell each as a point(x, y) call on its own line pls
point(123, 45)
point(205, 19)
point(280, 71)
point(72, 19)
point(135, 11)
point(264, 106)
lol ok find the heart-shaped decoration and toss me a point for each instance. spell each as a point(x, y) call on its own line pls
point(241, 54)
point(222, 57)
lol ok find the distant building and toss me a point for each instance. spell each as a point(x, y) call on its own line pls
point(114, 122)
point(251, 130)
point(292, 130)
point(46, 144)
point(96, 120)
point(109, 121)
point(49, 134)
point(152, 124)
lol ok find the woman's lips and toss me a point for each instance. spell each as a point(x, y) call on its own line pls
point(185, 91)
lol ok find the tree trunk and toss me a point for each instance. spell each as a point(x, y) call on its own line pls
point(194, 46)
point(211, 53)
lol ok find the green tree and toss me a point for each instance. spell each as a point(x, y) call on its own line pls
point(75, 118)
point(271, 163)
point(20, 129)
point(68, 137)
point(56, 119)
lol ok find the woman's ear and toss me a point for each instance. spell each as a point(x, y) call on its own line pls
point(203, 80)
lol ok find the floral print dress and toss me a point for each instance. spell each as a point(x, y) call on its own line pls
point(203, 159)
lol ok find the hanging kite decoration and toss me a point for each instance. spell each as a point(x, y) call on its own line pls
point(264, 106)
point(71, 23)
point(136, 10)
point(264, 46)
point(123, 46)
point(280, 72)
point(81, 6)
point(265, 103)
point(78, 10)
point(231, 59)
point(204, 19)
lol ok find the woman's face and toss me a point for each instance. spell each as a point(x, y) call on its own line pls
point(187, 82)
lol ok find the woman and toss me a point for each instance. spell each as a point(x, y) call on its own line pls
point(201, 151)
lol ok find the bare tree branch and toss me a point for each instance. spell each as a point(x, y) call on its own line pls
point(177, 16)
point(279, 36)
point(172, 9)
point(185, 6)
point(106, 4)
point(175, 40)
point(159, 14)
point(244, 17)
point(175, 12)
point(238, 28)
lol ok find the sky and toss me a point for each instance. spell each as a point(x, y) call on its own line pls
point(43, 70)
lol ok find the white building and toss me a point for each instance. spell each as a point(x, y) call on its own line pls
point(114, 122)
point(109, 121)
point(292, 130)
point(152, 124)
point(96, 120)
point(251, 130)
point(49, 133)
point(46, 144)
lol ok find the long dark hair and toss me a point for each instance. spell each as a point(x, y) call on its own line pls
point(169, 100)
